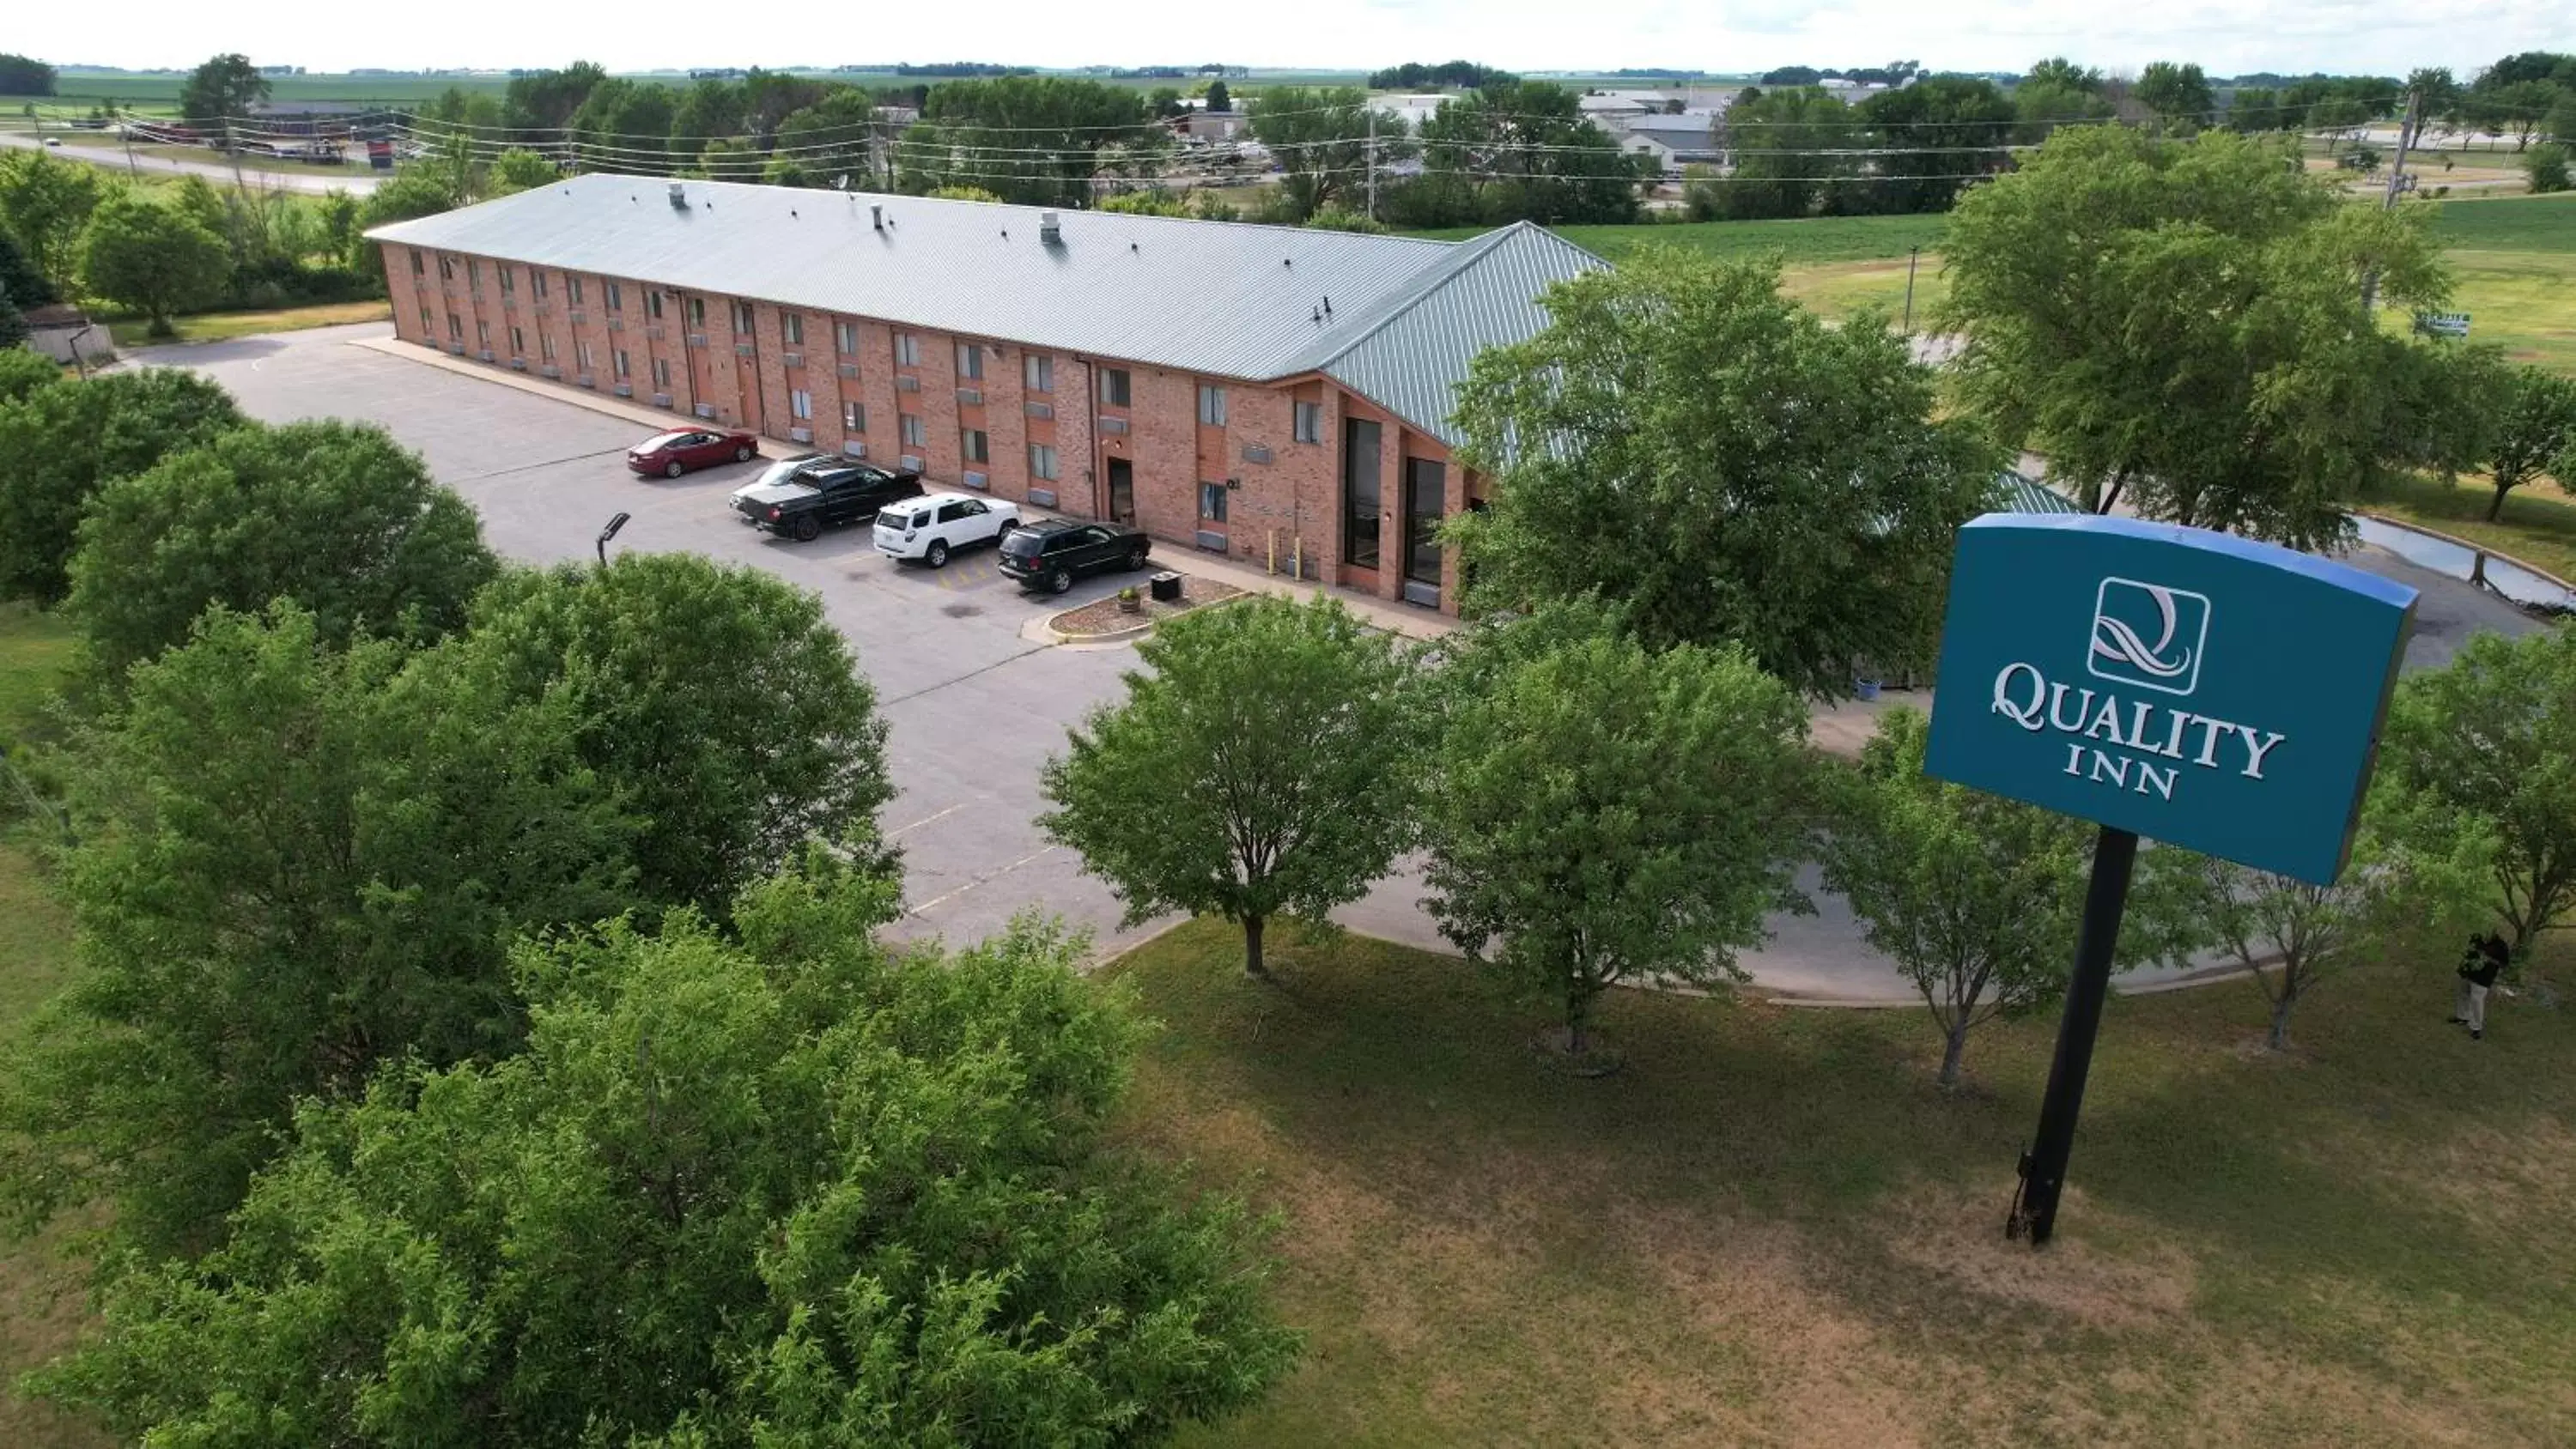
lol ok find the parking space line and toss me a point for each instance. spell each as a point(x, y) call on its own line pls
point(985, 879)
point(901, 831)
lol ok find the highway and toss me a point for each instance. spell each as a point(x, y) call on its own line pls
point(214, 168)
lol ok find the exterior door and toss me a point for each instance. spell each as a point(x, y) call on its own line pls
point(1425, 491)
point(1122, 490)
point(1359, 493)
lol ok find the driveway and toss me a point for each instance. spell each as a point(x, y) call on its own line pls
point(973, 704)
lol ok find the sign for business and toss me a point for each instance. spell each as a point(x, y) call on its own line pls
point(2187, 686)
point(2442, 324)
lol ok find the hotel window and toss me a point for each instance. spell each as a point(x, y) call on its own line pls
point(914, 435)
point(792, 325)
point(1039, 368)
point(1113, 387)
point(518, 343)
point(474, 274)
point(428, 323)
point(854, 417)
point(970, 360)
point(697, 314)
point(907, 350)
point(572, 288)
point(509, 281)
point(581, 351)
point(537, 283)
point(1310, 422)
point(545, 347)
point(483, 335)
point(447, 269)
point(661, 374)
point(653, 303)
point(1211, 406)
point(845, 338)
point(1212, 502)
point(972, 445)
point(616, 296)
point(1041, 461)
point(742, 316)
point(801, 404)
point(620, 359)
point(455, 329)
point(418, 268)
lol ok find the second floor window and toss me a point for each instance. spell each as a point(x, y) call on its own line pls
point(742, 317)
point(792, 324)
point(907, 350)
point(1310, 422)
point(845, 338)
point(1211, 406)
point(970, 360)
point(1113, 387)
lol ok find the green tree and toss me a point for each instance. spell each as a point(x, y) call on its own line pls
point(1153, 201)
point(2254, 111)
point(2546, 166)
point(20, 280)
point(2178, 94)
point(1521, 151)
point(708, 110)
point(1035, 140)
point(785, 171)
point(2534, 425)
point(1264, 768)
point(545, 100)
point(2518, 109)
point(152, 259)
point(1974, 897)
point(835, 138)
point(2057, 70)
point(1939, 130)
point(2418, 870)
point(518, 170)
point(717, 700)
point(2180, 324)
point(2492, 736)
point(1601, 813)
point(243, 519)
point(1745, 471)
point(1783, 143)
point(1333, 218)
point(66, 443)
point(22, 372)
point(2561, 124)
point(801, 1190)
point(621, 124)
point(964, 193)
point(413, 191)
point(1320, 137)
point(295, 863)
point(221, 91)
point(25, 76)
point(1219, 99)
point(13, 332)
point(44, 205)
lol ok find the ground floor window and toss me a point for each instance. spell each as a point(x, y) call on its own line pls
point(581, 350)
point(1212, 502)
point(1426, 489)
point(661, 374)
point(483, 335)
point(1041, 461)
point(428, 322)
point(518, 343)
point(455, 328)
point(1359, 493)
point(620, 360)
point(546, 346)
point(914, 434)
point(801, 403)
point(854, 418)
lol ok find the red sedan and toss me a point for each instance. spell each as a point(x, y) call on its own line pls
point(676, 452)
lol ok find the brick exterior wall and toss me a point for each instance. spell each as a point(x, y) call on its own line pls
point(1282, 497)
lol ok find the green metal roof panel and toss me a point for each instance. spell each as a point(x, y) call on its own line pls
point(2019, 493)
point(1412, 355)
point(1230, 299)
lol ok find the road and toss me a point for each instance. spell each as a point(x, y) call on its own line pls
point(974, 704)
point(356, 183)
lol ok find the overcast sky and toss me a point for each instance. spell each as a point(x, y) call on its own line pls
point(1718, 35)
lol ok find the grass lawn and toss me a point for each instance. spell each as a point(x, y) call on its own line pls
point(1773, 1229)
point(224, 326)
point(1798, 242)
point(2538, 525)
point(41, 1308)
point(2515, 261)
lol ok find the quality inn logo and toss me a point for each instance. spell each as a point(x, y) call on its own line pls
point(2148, 635)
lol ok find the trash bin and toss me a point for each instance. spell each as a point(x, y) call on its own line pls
point(1865, 688)
point(1165, 587)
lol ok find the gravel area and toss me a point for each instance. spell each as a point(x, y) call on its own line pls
point(1109, 616)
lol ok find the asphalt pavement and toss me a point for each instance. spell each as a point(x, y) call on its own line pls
point(975, 699)
point(357, 182)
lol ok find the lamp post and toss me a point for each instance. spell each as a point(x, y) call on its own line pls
point(1911, 253)
point(608, 533)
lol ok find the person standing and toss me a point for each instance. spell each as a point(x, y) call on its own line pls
point(2479, 966)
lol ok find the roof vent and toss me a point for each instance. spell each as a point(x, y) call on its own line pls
point(679, 196)
point(876, 216)
point(1048, 230)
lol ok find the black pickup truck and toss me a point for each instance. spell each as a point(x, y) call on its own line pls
point(803, 498)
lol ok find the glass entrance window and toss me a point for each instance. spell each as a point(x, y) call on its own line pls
point(1359, 493)
point(1425, 490)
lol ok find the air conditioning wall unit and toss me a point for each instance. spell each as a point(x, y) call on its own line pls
point(1038, 410)
point(1255, 453)
point(484, 353)
point(742, 349)
point(1113, 425)
point(1042, 497)
point(907, 384)
point(661, 399)
point(911, 464)
point(1212, 542)
point(697, 339)
point(978, 480)
point(622, 389)
point(706, 410)
point(970, 397)
point(791, 359)
point(586, 380)
point(518, 364)
point(549, 370)
point(848, 369)
point(854, 448)
point(800, 435)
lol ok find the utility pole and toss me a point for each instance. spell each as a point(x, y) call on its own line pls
point(1372, 163)
point(1912, 253)
point(2406, 127)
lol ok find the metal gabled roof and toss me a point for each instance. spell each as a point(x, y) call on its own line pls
point(1225, 298)
point(2018, 492)
point(1412, 352)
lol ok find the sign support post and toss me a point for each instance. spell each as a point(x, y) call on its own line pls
point(2043, 1169)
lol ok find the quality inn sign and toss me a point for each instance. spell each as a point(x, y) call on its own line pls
point(2186, 686)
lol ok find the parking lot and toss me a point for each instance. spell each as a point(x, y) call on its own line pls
point(973, 707)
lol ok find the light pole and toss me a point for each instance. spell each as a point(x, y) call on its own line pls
point(608, 533)
point(1911, 253)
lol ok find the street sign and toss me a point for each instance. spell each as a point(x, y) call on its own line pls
point(2187, 686)
point(2201, 689)
point(2442, 324)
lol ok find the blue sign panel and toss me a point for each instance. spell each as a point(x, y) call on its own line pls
point(2191, 687)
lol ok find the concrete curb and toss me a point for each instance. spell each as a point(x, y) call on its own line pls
point(658, 419)
point(2471, 545)
point(1121, 636)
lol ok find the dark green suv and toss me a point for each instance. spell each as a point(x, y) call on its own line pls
point(1053, 553)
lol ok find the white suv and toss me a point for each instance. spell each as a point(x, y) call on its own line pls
point(929, 529)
